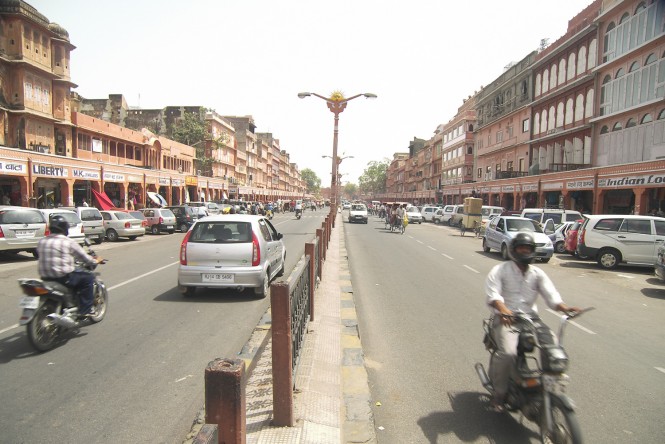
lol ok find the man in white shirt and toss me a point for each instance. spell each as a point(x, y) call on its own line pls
point(512, 286)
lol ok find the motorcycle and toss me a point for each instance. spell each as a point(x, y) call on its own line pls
point(269, 214)
point(537, 386)
point(50, 309)
point(298, 214)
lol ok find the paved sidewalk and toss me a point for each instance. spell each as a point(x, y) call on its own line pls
point(331, 398)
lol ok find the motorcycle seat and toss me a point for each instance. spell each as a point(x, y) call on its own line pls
point(57, 286)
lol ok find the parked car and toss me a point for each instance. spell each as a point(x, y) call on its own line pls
point(448, 212)
point(231, 251)
point(427, 212)
point(502, 229)
point(438, 216)
point(121, 224)
point(76, 229)
point(93, 224)
point(558, 216)
point(139, 215)
point(613, 239)
point(160, 219)
point(571, 238)
point(414, 216)
point(213, 208)
point(660, 263)
point(456, 216)
point(21, 229)
point(185, 216)
point(558, 238)
point(358, 213)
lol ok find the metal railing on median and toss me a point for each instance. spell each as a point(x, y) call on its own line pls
point(292, 307)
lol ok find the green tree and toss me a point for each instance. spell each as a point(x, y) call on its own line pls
point(373, 179)
point(190, 129)
point(351, 190)
point(312, 181)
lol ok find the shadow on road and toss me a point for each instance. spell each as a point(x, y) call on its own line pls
point(472, 419)
point(209, 295)
point(654, 293)
point(17, 346)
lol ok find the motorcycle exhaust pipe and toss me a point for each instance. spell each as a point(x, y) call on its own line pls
point(484, 379)
point(63, 321)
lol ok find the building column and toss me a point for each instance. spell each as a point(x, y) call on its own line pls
point(598, 202)
point(566, 199)
point(67, 192)
point(25, 191)
point(641, 196)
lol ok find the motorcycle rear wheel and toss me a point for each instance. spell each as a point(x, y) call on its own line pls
point(565, 428)
point(42, 332)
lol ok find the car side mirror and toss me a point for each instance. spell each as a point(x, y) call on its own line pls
point(279, 236)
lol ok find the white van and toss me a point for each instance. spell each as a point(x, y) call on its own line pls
point(558, 216)
point(488, 211)
point(456, 215)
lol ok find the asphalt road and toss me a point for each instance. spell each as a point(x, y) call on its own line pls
point(138, 375)
point(420, 302)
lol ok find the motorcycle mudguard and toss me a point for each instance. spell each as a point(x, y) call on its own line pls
point(565, 400)
point(27, 315)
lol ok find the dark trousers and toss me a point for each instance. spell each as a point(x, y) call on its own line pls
point(82, 284)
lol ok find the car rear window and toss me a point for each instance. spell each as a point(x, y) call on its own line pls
point(221, 232)
point(556, 217)
point(72, 218)
point(167, 213)
point(123, 216)
point(90, 215)
point(21, 217)
point(611, 224)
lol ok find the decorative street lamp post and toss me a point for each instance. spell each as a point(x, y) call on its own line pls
point(336, 104)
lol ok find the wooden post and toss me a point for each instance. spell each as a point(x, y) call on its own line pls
point(310, 250)
point(282, 355)
point(320, 246)
point(225, 399)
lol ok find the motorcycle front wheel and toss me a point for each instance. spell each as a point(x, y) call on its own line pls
point(43, 332)
point(100, 302)
point(565, 428)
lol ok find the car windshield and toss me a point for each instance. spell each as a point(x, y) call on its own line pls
point(358, 207)
point(21, 217)
point(523, 225)
point(412, 210)
point(221, 232)
point(123, 216)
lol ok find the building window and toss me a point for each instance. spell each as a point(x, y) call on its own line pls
point(604, 130)
point(509, 166)
point(525, 125)
point(631, 123)
point(480, 173)
point(617, 127)
point(661, 114)
point(646, 119)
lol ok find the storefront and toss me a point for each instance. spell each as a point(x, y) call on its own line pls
point(114, 188)
point(85, 181)
point(50, 187)
point(135, 192)
point(11, 173)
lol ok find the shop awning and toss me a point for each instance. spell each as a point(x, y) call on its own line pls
point(157, 199)
point(103, 200)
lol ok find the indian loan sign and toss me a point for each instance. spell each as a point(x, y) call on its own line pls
point(632, 181)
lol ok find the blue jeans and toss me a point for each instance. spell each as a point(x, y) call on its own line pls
point(82, 283)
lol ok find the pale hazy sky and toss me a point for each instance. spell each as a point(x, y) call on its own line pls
point(420, 57)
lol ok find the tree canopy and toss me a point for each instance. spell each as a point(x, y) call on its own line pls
point(373, 179)
point(312, 181)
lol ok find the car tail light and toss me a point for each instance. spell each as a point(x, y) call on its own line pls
point(580, 236)
point(256, 251)
point(2, 235)
point(47, 232)
point(144, 223)
point(128, 224)
point(161, 220)
point(183, 249)
point(82, 228)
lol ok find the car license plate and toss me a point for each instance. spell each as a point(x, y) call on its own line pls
point(24, 233)
point(31, 302)
point(217, 277)
point(169, 227)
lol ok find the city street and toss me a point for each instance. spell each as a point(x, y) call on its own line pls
point(420, 301)
point(138, 375)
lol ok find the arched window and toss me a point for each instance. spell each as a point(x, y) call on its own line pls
point(537, 92)
point(571, 66)
point(634, 67)
point(543, 121)
point(661, 114)
point(553, 76)
point(536, 123)
point(619, 73)
point(581, 60)
point(559, 115)
point(646, 119)
point(617, 127)
point(471, 127)
point(593, 49)
point(651, 58)
point(588, 109)
point(606, 96)
point(624, 18)
point(640, 7)
point(552, 117)
point(579, 107)
point(569, 111)
point(609, 42)
point(604, 130)
point(631, 123)
point(562, 71)
point(546, 81)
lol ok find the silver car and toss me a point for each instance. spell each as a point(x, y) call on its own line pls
point(414, 215)
point(76, 229)
point(231, 251)
point(502, 229)
point(21, 229)
point(159, 219)
point(122, 224)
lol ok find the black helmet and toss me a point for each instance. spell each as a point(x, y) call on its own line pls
point(523, 238)
point(58, 225)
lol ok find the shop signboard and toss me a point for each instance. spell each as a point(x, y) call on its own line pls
point(580, 184)
point(511, 189)
point(176, 182)
point(550, 186)
point(113, 177)
point(49, 170)
point(134, 179)
point(151, 179)
point(529, 187)
point(495, 189)
point(191, 180)
point(632, 181)
point(85, 174)
point(9, 167)
point(164, 181)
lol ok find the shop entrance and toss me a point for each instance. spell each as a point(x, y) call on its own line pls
point(619, 202)
point(113, 191)
point(47, 193)
point(10, 191)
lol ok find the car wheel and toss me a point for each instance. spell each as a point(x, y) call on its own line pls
point(183, 228)
point(154, 229)
point(420, 222)
point(34, 254)
point(560, 247)
point(486, 249)
point(171, 231)
point(263, 290)
point(99, 240)
point(545, 260)
point(504, 252)
point(609, 259)
point(132, 237)
point(112, 235)
point(187, 291)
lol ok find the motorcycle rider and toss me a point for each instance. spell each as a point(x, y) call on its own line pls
point(56, 254)
point(298, 207)
point(515, 285)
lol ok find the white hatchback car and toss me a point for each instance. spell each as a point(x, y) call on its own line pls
point(231, 251)
point(76, 229)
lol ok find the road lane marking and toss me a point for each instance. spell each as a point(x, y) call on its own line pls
point(627, 277)
point(584, 329)
point(431, 248)
point(660, 369)
point(419, 241)
point(11, 327)
point(475, 271)
point(445, 255)
point(143, 275)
